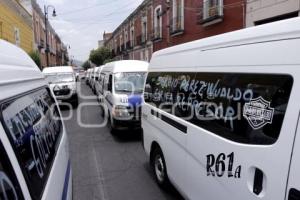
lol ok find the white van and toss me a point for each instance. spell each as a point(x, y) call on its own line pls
point(87, 76)
point(123, 88)
point(221, 115)
point(98, 82)
point(34, 152)
point(62, 82)
point(95, 79)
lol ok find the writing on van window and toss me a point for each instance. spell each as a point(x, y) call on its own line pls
point(222, 165)
point(221, 102)
point(258, 112)
point(34, 129)
point(197, 97)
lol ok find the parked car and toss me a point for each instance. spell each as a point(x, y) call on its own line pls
point(123, 88)
point(221, 115)
point(34, 152)
point(62, 82)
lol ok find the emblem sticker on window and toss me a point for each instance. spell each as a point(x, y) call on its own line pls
point(258, 112)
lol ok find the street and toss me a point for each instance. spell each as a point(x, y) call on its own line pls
point(106, 166)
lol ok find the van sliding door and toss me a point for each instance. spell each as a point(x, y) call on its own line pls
point(293, 189)
point(241, 140)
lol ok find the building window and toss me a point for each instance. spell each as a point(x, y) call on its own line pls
point(212, 11)
point(144, 30)
point(177, 20)
point(127, 45)
point(131, 35)
point(157, 32)
point(121, 43)
point(17, 36)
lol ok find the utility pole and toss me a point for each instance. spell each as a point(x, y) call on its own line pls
point(46, 30)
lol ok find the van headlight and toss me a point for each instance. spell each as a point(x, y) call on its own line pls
point(120, 111)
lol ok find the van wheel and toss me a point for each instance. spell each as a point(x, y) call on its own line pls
point(110, 125)
point(160, 169)
point(75, 102)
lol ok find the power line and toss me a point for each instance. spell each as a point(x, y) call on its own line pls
point(116, 11)
point(86, 8)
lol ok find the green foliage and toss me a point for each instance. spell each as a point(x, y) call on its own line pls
point(100, 55)
point(35, 56)
point(86, 65)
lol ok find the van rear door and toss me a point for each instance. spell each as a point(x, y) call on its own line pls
point(293, 189)
point(241, 137)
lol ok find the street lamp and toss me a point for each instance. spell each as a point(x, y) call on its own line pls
point(46, 8)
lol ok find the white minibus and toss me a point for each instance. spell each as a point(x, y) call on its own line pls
point(221, 115)
point(95, 79)
point(98, 82)
point(62, 82)
point(34, 152)
point(123, 83)
point(87, 77)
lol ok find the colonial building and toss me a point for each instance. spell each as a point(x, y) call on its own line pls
point(131, 40)
point(16, 24)
point(179, 21)
point(158, 24)
point(266, 11)
point(54, 42)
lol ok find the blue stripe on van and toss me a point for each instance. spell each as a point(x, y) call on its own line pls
point(66, 184)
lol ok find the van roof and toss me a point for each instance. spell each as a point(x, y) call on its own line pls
point(14, 59)
point(126, 66)
point(250, 46)
point(58, 69)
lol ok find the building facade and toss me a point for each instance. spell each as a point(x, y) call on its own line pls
point(158, 24)
point(131, 40)
point(180, 21)
point(16, 24)
point(55, 46)
point(266, 11)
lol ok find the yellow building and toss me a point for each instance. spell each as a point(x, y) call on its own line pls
point(16, 24)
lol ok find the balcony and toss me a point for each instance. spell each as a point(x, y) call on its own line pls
point(211, 13)
point(176, 25)
point(122, 48)
point(156, 33)
point(41, 44)
point(141, 40)
point(128, 45)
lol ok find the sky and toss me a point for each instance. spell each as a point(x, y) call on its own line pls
point(81, 23)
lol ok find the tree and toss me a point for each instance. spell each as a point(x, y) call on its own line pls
point(99, 55)
point(35, 56)
point(86, 65)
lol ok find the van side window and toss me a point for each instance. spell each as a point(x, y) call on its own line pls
point(245, 108)
point(109, 87)
point(9, 185)
point(34, 128)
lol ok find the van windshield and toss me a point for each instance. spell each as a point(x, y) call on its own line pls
point(128, 82)
point(60, 77)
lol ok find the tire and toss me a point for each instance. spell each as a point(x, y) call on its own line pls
point(75, 102)
point(110, 126)
point(160, 169)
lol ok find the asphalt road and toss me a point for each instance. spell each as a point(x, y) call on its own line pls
point(106, 166)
